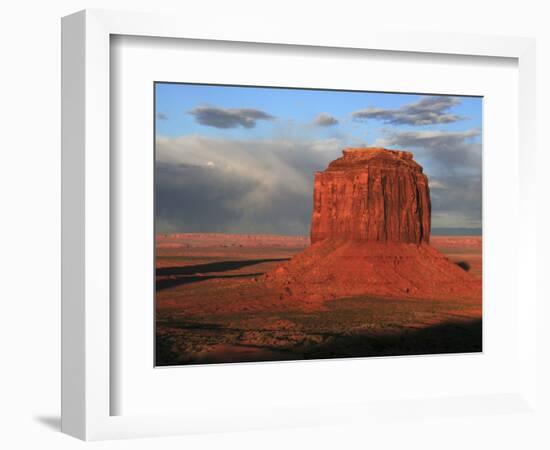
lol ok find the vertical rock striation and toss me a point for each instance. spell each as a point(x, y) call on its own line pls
point(372, 194)
point(370, 233)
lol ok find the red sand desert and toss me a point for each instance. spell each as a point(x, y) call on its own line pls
point(369, 281)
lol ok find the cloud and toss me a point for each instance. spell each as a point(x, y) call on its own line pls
point(162, 116)
point(228, 117)
point(446, 151)
point(206, 184)
point(452, 161)
point(427, 111)
point(432, 139)
point(436, 184)
point(458, 204)
point(325, 120)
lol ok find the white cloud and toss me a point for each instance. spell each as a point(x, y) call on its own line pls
point(436, 184)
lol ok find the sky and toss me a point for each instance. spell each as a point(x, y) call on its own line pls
point(234, 159)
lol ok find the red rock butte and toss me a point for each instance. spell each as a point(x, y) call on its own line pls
point(370, 233)
point(372, 194)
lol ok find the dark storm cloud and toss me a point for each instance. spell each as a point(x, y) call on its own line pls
point(452, 162)
point(449, 151)
point(228, 117)
point(206, 184)
point(426, 111)
point(457, 201)
point(325, 120)
point(238, 186)
point(195, 198)
point(162, 116)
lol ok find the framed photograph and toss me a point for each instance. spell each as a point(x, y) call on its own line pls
point(272, 243)
point(252, 218)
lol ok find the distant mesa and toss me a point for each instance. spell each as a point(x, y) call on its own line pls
point(370, 234)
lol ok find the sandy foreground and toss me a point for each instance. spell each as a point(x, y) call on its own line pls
point(211, 308)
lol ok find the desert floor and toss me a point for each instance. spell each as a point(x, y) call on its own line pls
point(209, 309)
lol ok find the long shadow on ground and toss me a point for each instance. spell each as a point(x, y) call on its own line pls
point(171, 282)
point(448, 337)
point(219, 266)
point(190, 274)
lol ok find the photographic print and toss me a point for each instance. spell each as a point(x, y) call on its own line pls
point(300, 224)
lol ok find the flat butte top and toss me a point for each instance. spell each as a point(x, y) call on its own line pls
point(370, 157)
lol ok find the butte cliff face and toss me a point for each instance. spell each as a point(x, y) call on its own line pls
point(370, 233)
point(372, 195)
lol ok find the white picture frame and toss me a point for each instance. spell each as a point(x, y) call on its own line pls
point(86, 247)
